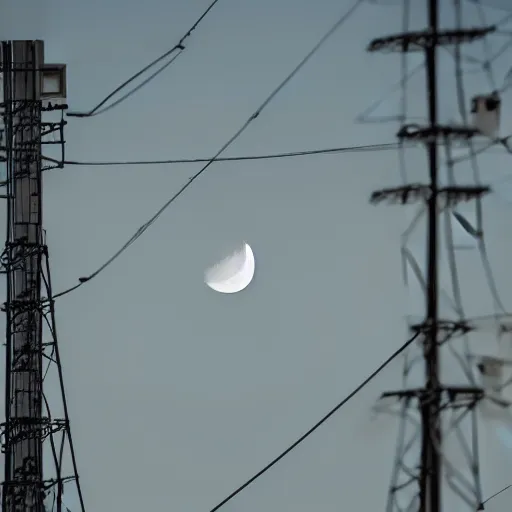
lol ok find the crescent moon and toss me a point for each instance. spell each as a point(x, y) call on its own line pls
point(232, 274)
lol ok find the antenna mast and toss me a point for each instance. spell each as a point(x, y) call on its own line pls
point(35, 434)
point(418, 485)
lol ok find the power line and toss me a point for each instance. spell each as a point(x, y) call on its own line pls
point(142, 229)
point(270, 156)
point(177, 48)
point(481, 507)
point(317, 424)
point(132, 91)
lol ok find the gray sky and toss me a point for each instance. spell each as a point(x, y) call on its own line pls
point(177, 394)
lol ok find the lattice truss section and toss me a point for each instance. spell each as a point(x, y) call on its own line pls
point(36, 440)
point(53, 427)
point(51, 132)
point(472, 48)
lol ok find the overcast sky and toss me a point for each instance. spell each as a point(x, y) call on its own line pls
point(177, 394)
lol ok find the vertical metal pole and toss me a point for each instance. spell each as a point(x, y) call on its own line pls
point(430, 480)
point(8, 132)
point(23, 485)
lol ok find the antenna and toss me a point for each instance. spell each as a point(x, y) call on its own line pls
point(36, 434)
point(440, 409)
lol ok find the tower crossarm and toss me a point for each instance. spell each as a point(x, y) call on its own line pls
point(408, 194)
point(420, 40)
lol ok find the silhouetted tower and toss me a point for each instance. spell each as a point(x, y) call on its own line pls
point(36, 434)
point(418, 486)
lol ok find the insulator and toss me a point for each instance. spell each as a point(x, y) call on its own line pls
point(486, 112)
point(491, 370)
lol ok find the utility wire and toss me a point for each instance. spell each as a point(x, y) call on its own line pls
point(481, 507)
point(142, 229)
point(316, 425)
point(134, 90)
point(178, 48)
point(271, 156)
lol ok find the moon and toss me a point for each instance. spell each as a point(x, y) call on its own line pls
point(233, 273)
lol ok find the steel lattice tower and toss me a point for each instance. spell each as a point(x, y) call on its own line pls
point(419, 487)
point(33, 439)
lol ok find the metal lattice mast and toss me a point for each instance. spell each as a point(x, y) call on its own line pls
point(33, 438)
point(417, 484)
